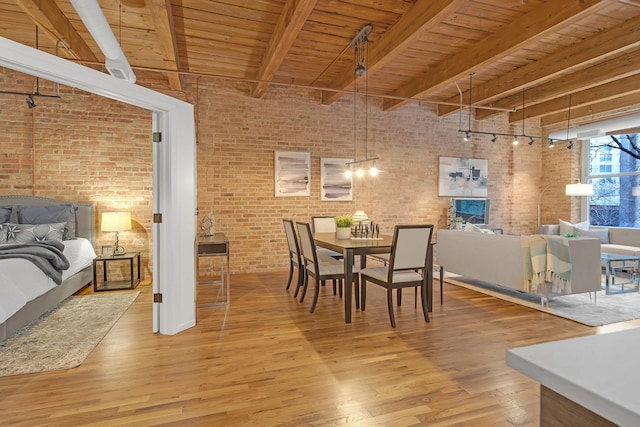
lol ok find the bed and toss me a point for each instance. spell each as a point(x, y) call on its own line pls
point(26, 292)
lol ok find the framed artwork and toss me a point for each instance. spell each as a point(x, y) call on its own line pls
point(292, 173)
point(334, 186)
point(107, 250)
point(459, 176)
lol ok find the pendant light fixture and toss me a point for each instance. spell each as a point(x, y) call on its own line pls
point(360, 44)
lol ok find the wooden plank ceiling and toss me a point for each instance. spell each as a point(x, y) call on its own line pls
point(569, 61)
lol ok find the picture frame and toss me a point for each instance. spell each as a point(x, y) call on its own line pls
point(292, 173)
point(463, 177)
point(106, 250)
point(334, 185)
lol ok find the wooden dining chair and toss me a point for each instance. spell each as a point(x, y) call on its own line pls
point(407, 267)
point(295, 259)
point(320, 267)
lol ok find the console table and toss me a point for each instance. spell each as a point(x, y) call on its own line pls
point(586, 381)
point(216, 245)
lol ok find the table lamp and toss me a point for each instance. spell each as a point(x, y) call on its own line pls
point(116, 221)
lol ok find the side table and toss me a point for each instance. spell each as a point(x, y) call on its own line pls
point(621, 264)
point(216, 245)
point(107, 285)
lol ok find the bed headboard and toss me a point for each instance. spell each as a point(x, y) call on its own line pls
point(85, 212)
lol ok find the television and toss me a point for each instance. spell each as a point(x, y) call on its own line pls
point(475, 211)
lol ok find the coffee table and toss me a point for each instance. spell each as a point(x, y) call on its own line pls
point(620, 264)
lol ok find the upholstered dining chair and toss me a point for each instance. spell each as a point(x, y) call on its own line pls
point(407, 267)
point(295, 259)
point(325, 224)
point(320, 266)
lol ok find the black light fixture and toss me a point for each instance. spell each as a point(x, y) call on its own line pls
point(31, 103)
point(360, 44)
point(551, 143)
point(468, 131)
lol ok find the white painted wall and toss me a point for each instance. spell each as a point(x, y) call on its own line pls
point(174, 174)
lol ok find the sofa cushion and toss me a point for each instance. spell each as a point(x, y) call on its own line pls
point(612, 248)
point(599, 233)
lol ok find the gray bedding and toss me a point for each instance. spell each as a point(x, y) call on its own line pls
point(46, 255)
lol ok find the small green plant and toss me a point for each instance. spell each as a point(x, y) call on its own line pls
point(344, 221)
point(571, 234)
point(458, 219)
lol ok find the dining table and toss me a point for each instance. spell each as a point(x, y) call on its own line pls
point(349, 248)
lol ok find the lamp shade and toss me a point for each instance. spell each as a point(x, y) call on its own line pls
point(116, 221)
point(579, 189)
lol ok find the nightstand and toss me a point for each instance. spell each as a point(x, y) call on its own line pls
point(107, 285)
point(216, 245)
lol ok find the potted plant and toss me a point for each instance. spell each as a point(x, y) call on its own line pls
point(458, 222)
point(343, 226)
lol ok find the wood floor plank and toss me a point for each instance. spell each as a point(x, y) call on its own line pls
point(265, 360)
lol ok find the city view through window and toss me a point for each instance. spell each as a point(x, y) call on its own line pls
point(614, 171)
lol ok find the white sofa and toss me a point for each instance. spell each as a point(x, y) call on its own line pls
point(498, 259)
point(614, 240)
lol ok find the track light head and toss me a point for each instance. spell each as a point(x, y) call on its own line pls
point(31, 103)
point(570, 146)
point(530, 140)
point(466, 136)
point(494, 139)
point(515, 140)
point(551, 143)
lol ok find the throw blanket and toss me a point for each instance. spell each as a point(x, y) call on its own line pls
point(47, 256)
point(534, 260)
point(546, 260)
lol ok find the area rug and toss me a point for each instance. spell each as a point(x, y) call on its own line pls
point(580, 308)
point(63, 337)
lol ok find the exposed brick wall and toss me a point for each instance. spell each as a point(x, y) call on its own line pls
point(237, 136)
point(92, 149)
point(80, 147)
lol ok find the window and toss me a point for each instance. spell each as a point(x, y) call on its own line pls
point(615, 175)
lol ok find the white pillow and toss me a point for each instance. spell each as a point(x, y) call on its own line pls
point(598, 233)
point(567, 227)
point(472, 228)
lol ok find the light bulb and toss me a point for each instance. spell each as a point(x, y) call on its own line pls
point(373, 171)
point(515, 140)
point(348, 173)
point(359, 173)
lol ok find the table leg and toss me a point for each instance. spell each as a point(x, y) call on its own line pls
point(348, 281)
point(607, 276)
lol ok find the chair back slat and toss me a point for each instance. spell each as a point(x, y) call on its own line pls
point(307, 245)
point(410, 249)
point(323, 224)
point(290, 232)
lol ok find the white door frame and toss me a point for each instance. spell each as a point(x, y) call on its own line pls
point(174, 174)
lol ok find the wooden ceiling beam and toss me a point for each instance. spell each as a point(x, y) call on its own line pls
point(166, 36)
point(421, 18)
point(293, 17)
point(614, 89)
point(531, 27)
point(622, 66)
point(50, 19)
point(615, 107)
point(591, 50)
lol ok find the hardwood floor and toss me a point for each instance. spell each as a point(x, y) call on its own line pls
point(267, 361)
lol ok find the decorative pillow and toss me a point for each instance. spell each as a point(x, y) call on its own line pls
point(27, 233)
point(472, 228)
point(598, 233)
point(5, 213)
point(65, 213)
point(567, 227)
